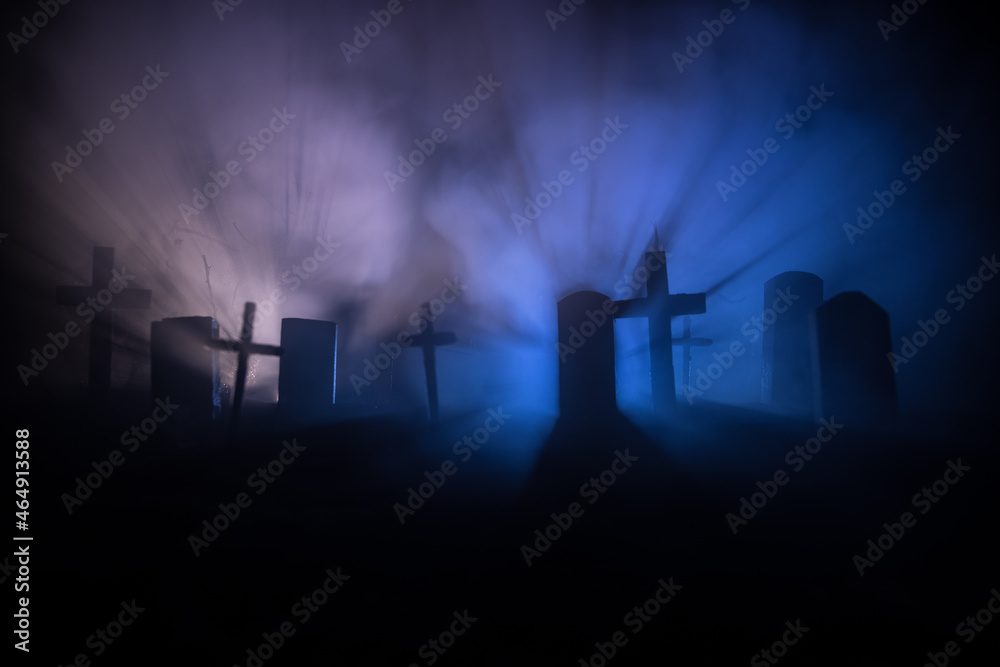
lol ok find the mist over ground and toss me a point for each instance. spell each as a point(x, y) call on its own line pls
point(647, 128)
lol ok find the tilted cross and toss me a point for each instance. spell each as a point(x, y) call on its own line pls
point(107, 291)
point(244, 347)
point(428, 340)
point(659, 307)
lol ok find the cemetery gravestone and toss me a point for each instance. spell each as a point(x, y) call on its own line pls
point(854, 383)
point(786, 374)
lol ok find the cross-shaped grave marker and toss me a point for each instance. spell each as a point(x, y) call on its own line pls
point(244, 347)
point(659, 307)
point(107, 291)
point(427, 341)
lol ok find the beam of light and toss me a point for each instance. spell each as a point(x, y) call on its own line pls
point(323, 176)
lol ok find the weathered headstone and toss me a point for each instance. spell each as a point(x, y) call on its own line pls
point(107, 292)
point(660, 307)
point(186, 371)
point(586, 356)
point(427, 341)
point(786, 374)
point(308, 376)
point(244, 347)
point(850, 341)
point(364, 370)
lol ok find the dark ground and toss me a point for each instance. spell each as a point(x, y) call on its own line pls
point(663, 518)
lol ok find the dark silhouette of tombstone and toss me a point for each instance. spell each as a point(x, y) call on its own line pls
point(186, 372)
point(787, 376)
point(360, 381)
point(307, 380)
point(586, 357)
point(107, 292)
point(346, 316)
point(851, 341)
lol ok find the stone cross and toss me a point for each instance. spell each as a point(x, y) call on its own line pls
point(427, 341)
point(659, 307)
point(244, 347)
point(107, 291)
